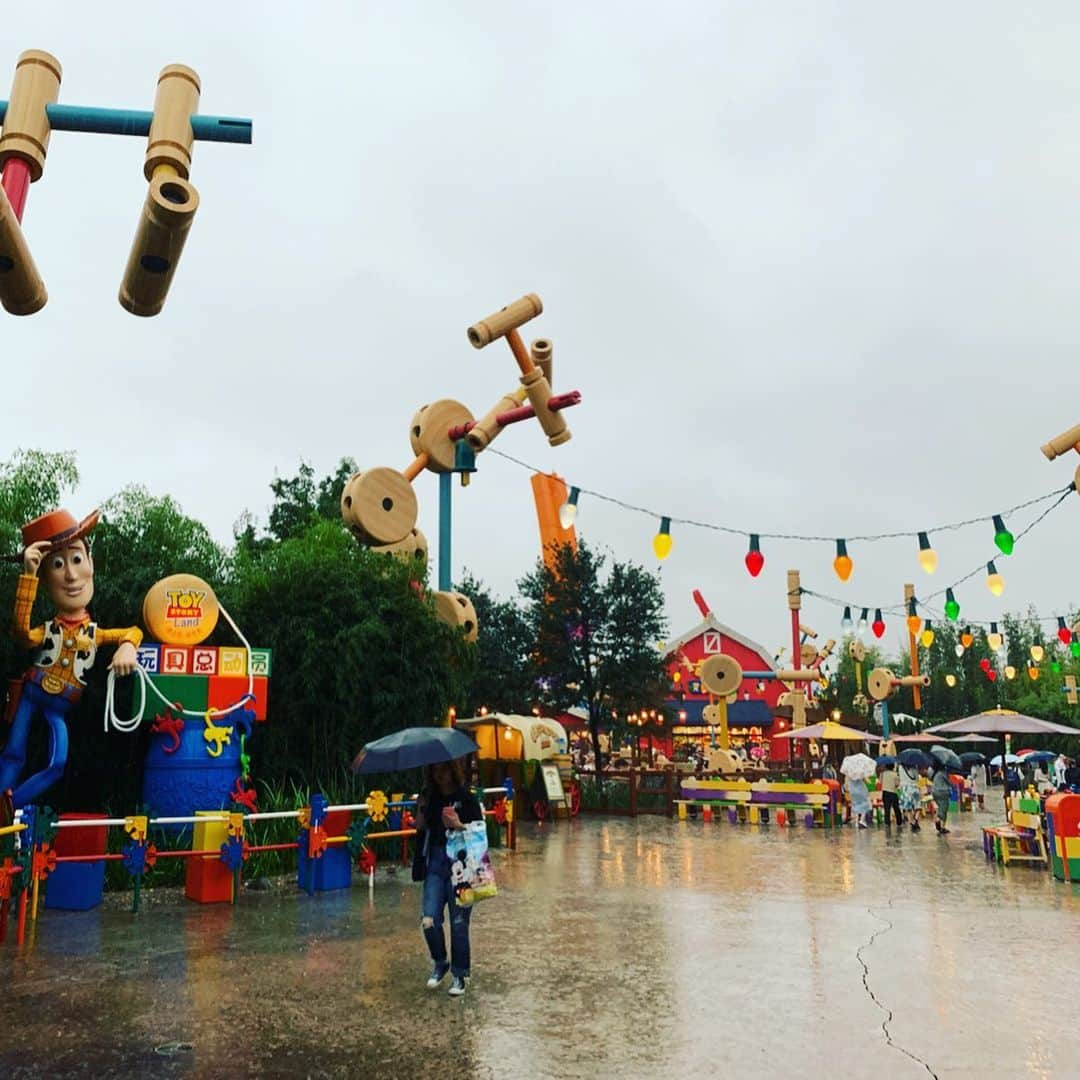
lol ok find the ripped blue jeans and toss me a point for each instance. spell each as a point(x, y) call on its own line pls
point(439, 894)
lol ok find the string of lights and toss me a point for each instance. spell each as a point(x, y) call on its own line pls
point(843, 565)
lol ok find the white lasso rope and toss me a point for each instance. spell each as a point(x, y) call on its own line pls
point(132, 724)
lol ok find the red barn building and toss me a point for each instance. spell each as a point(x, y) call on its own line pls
point(751, 717)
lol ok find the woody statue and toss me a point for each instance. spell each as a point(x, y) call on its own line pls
point(55, 547)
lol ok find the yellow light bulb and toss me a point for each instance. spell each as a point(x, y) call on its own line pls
point(928, 560)
point(1010, 671)
point(950, 680)
point(1037, 653)
point(994, 641)
point(996, 584)
point(927, 638)
point(662, 542)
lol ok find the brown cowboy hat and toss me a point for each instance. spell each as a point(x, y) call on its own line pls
point(59, 528)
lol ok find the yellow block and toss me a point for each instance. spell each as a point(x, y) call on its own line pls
point(209, 835)
point(232, 661)
point(754, 815)
point(816, 788)
point(682, 811)
point(1072, 846)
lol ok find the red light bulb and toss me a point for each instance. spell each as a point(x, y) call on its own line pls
point(754, 559)
point(1064, 634)
point(878, 625)
point(992, 676)
point(984, 664)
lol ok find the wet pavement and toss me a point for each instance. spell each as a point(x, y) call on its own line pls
point(629, 948)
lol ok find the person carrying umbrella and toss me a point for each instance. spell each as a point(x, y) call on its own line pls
point(942, 792)
point(910, 794)
point(890, 799)
point(444, 804)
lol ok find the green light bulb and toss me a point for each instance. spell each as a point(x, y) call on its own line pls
point(1002, 537)
point(952, 608)
point(1055, 667)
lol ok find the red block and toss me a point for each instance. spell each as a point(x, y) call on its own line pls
point(175, 660)
point(226, 690)
point(81, 841)
point(337, 822)
point(208, 881)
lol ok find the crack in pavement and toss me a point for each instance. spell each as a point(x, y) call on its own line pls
point(873, 997)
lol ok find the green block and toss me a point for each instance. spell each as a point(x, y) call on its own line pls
point(1029, 806)
point(260, 662)
point(189, 691)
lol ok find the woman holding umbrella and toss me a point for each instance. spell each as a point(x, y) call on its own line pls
point(445, 803)
point(910, 795)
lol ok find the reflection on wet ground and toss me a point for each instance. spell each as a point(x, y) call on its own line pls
point(629, 948)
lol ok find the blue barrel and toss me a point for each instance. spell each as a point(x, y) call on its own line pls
point(189, 779)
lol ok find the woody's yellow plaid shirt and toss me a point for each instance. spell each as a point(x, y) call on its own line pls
point(73, 637)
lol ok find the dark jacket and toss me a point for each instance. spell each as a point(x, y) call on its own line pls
point(434, 834)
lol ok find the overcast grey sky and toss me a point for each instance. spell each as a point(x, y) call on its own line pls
point(813, 266)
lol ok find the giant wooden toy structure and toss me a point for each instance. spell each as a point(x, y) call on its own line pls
point(1062, 444)
point(721, 675)
point(379, 505)
point(30, 116)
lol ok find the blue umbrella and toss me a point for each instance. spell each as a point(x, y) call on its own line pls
point(1039, 755)
point(973, 758)
point(1010, 759)
point(412, 749)
point(886, 759)
point(946, 757)
point(915, 759)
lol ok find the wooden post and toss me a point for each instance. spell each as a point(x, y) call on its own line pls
point(909, 596)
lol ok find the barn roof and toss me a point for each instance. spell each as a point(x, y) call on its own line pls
point(711, 622)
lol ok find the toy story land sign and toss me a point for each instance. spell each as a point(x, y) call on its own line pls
point(180, 610)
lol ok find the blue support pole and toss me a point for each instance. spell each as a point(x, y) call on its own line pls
point(445, 489)
point(885, 719)
point(230, 129)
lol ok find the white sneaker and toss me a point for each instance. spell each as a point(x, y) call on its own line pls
point(457, 987)
point(438, 973)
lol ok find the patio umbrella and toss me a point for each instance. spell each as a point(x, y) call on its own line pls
point(973, 758)
point(1003, 722)
point(944, 756)
point(921, 737)
point(973, 738)
point(858, 767)
point(829, 731)
point(412, 749)
point(915, 759)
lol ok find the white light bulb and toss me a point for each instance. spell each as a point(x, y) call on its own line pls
point(567, 514)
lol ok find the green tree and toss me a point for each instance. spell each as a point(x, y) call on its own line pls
point(503, 676)
point(357, 652)
point(595, 635)
point(299, 501)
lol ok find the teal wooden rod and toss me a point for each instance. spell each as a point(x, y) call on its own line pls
point(228, 129)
